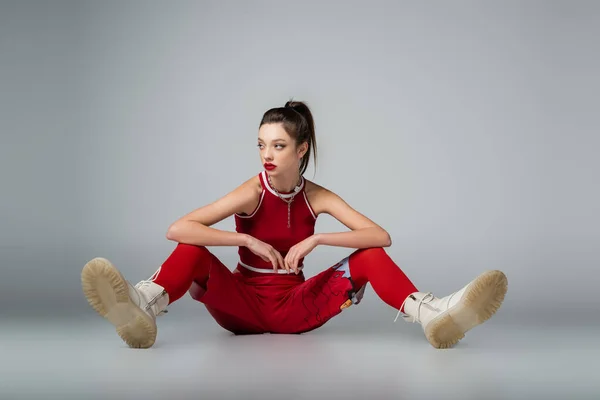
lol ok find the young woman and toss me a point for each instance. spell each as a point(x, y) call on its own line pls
point(275, 213)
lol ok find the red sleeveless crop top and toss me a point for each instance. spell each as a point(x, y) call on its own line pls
point(268, 223)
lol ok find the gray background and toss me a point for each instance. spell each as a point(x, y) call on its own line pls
point(467, 129)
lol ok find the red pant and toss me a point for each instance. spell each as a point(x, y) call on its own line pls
point(247, 302)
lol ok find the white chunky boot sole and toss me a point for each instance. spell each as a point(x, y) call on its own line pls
point(108, 293)
point(480, 301)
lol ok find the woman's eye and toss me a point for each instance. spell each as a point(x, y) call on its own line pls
point(280, 146)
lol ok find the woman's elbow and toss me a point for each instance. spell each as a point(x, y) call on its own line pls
point(387, 239)
point(172, 232)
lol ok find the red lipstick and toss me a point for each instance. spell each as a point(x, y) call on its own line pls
point(269, 166)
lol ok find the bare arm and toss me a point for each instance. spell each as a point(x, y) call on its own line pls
point(194, 232)
point(363, 233)
point(195, 227)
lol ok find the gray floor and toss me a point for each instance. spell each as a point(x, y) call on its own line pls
point(82, 358)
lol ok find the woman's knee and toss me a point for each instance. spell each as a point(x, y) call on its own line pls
point(371, 252)
point(192, 249)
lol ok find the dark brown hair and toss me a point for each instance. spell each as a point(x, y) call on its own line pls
point(298, 122)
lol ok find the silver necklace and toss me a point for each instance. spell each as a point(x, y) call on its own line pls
point(288, 202)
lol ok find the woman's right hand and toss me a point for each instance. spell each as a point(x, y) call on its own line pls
point(266, 252)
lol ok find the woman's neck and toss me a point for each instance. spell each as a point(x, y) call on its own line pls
point(285, 184)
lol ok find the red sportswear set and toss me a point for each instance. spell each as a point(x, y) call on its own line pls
point(254, 299)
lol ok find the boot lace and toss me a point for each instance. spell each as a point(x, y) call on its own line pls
point(426, 299)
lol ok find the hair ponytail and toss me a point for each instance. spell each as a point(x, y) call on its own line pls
point(298, 122)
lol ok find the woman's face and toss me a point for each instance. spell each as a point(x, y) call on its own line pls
point(278, 152)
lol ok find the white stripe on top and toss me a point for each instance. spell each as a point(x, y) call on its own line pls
point(268, 271)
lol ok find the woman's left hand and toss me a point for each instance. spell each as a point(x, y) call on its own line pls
point(298, 251)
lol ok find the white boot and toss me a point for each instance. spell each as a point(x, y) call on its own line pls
point(131, 309)
point(445, 321)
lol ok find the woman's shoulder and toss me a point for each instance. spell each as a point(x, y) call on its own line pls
point(315, 194)
point(254, 181)
point(251, 184)
point(254, 188)
point(312, 188)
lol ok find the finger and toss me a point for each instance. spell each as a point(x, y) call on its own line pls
point(295, 263)
point(273, 261)
point(263, 256)
point(287, 262)
point(291, 261)
point(283, 263)
point(292, 264)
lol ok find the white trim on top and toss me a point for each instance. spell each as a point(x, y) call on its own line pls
point(309, 207)
point(285, 196)
point(255, 210)
point(265, 270)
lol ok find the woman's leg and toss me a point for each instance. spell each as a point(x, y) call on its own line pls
point(189, 267)
point(133, 309)
point(323, 296)
point(444, 320)
point(186, 264)
point(375, 266)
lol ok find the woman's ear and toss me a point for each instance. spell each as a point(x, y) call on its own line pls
point(302, 150)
